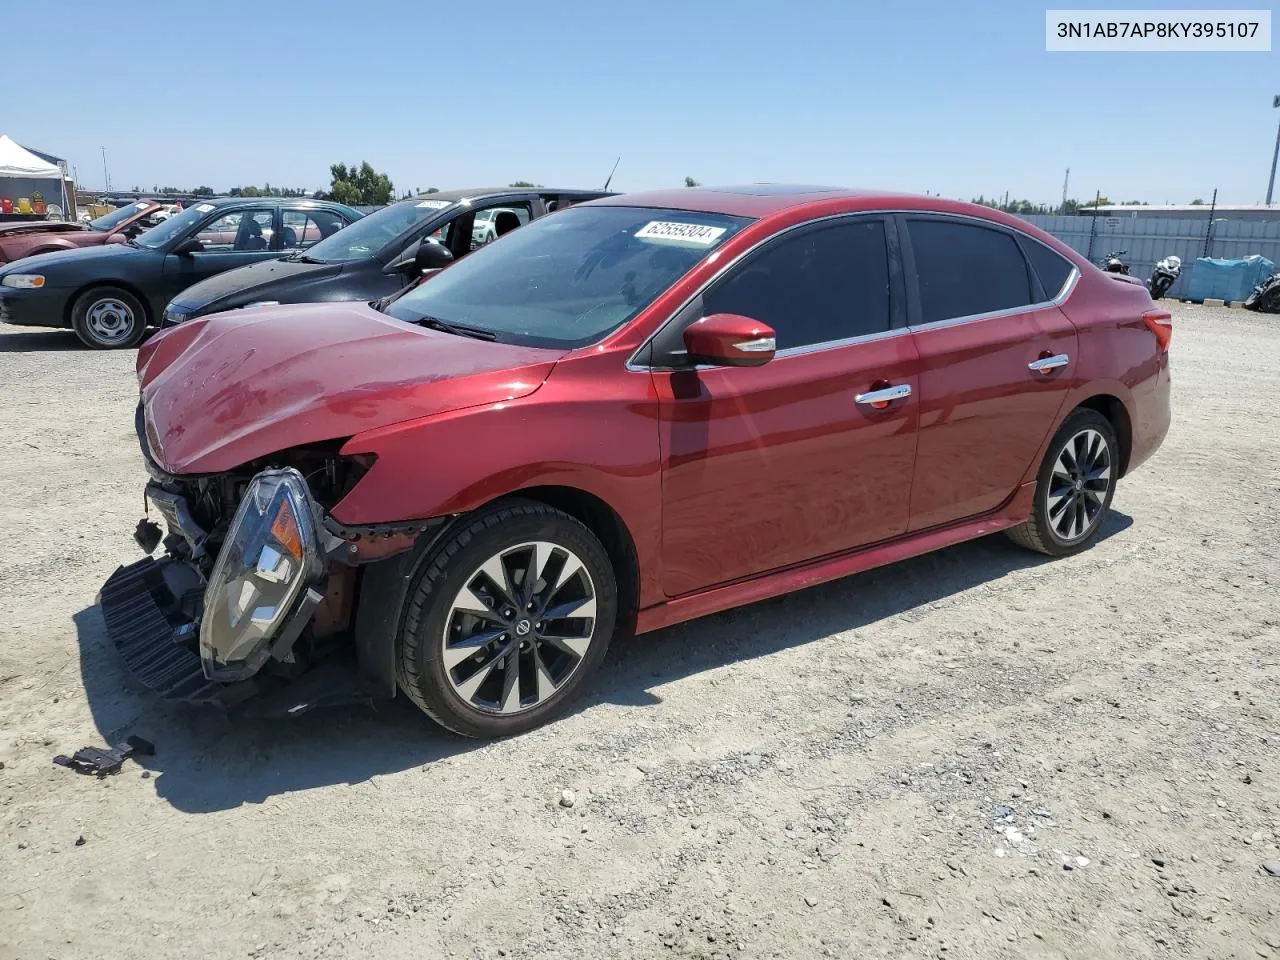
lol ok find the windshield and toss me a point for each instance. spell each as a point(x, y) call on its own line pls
point(370, 234)
point(109, 221)
point(568, 279)
point(179, 223)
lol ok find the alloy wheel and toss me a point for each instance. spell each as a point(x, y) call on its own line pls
point(1078, 485)
point(519, 628)
point(110, 320)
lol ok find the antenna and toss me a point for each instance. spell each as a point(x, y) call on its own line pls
point(611, 173)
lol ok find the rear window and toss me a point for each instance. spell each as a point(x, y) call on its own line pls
point(1051, 267)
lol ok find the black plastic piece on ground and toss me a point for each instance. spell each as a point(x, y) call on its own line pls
point(101, 763)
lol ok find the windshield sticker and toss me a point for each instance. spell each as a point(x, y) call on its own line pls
point(205, 207)
point(692, 233)
point(433, 204)
point(141, 206)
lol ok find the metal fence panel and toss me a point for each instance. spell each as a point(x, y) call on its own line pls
point(1148, 239)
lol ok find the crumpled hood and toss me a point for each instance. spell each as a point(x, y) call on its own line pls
point(257, 281)
point(220, 391)
point(47, 226)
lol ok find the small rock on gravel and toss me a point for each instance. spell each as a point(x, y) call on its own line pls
point(1272, 867)
point(568, 798)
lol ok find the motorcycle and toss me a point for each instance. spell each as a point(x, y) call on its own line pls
point(1266, 296)
point(1112, 263)
point(1164, 275)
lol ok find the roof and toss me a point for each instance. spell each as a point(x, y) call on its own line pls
point(1180, 208)
point(482, 193)
point(21, 163)
point(751, 200)
point(228, 201)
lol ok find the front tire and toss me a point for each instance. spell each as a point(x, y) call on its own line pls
point(108, 318)
point(1074, 488)
point(507, 621)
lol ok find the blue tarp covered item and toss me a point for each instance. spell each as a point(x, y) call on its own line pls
point(1227, 279)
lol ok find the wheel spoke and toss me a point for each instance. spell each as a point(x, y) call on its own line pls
point(496, 571)
point(471, 602)
point(574, 646)
point(460, 650)
point(546, 686)
point(581, 607)
point(473, 683)
point(511, 682)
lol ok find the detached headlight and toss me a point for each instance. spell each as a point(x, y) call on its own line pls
point(270, 555)
point(23, 281)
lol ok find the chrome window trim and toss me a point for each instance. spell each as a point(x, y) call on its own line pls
point(635, 366)
point(1057, 301)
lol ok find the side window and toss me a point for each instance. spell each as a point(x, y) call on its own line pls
point(493, 222)
point(819, 285)
point(244, 230)
point(1051, 267)
point(963, 270)
point(305, 228)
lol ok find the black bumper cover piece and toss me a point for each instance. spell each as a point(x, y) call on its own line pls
point(134, 600)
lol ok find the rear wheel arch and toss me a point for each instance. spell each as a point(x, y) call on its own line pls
point(1117, 415)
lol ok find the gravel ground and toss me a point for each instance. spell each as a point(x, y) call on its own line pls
point(972, 754)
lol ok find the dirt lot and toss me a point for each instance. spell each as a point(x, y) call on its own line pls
point(972, 754)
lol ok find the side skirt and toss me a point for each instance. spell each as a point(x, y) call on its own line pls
point(790, 579)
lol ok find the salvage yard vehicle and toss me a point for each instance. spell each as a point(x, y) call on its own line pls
point(638, 411)
point(110, 294)
point(18, 240)
point(377, 256)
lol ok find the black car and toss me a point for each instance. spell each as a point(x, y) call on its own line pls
point(110, 294)
point(380, 254)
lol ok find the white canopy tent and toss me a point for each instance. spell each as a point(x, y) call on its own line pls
point(18, 163)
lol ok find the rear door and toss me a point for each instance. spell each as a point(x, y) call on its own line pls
point(997, 358)
point(769, 466)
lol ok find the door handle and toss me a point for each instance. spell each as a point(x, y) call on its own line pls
point(881, 398)
point(1045, 364)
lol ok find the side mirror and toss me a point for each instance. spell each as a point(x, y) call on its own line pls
point(188, 247)
point(431, 256)
point(730, 340)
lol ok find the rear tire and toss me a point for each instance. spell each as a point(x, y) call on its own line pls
point(485, 658)
point(108, 318)
point(1074, 487)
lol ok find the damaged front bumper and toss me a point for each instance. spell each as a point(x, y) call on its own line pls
point(205, 639)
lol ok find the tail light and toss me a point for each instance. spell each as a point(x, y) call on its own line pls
point(1160, 322)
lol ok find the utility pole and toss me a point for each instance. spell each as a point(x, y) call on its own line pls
point(1275, 102)
point(1065, 181)
point(106, 180)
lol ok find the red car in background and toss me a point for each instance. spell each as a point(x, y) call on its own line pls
point(18, 240)
point(627, 414)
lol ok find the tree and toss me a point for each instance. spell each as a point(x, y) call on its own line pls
point(690, 182)
point(523, 183)
point(1102, 201)
point(1197, 202)
point(359, 185)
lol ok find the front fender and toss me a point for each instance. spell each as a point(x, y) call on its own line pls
point(591, 427)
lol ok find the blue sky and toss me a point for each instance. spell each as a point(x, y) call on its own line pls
point(957, 99)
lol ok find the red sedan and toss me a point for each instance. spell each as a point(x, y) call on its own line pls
point(18, 240)
point(627, 414)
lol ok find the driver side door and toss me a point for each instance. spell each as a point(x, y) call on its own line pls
point(769, 466)
point(229, 239)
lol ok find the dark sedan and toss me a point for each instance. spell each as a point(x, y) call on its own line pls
point(110, 294)
point(381, 254)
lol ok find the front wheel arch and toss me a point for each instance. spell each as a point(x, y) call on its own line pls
point(125, 285)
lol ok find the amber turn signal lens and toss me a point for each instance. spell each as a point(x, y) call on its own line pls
point(285, 529)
